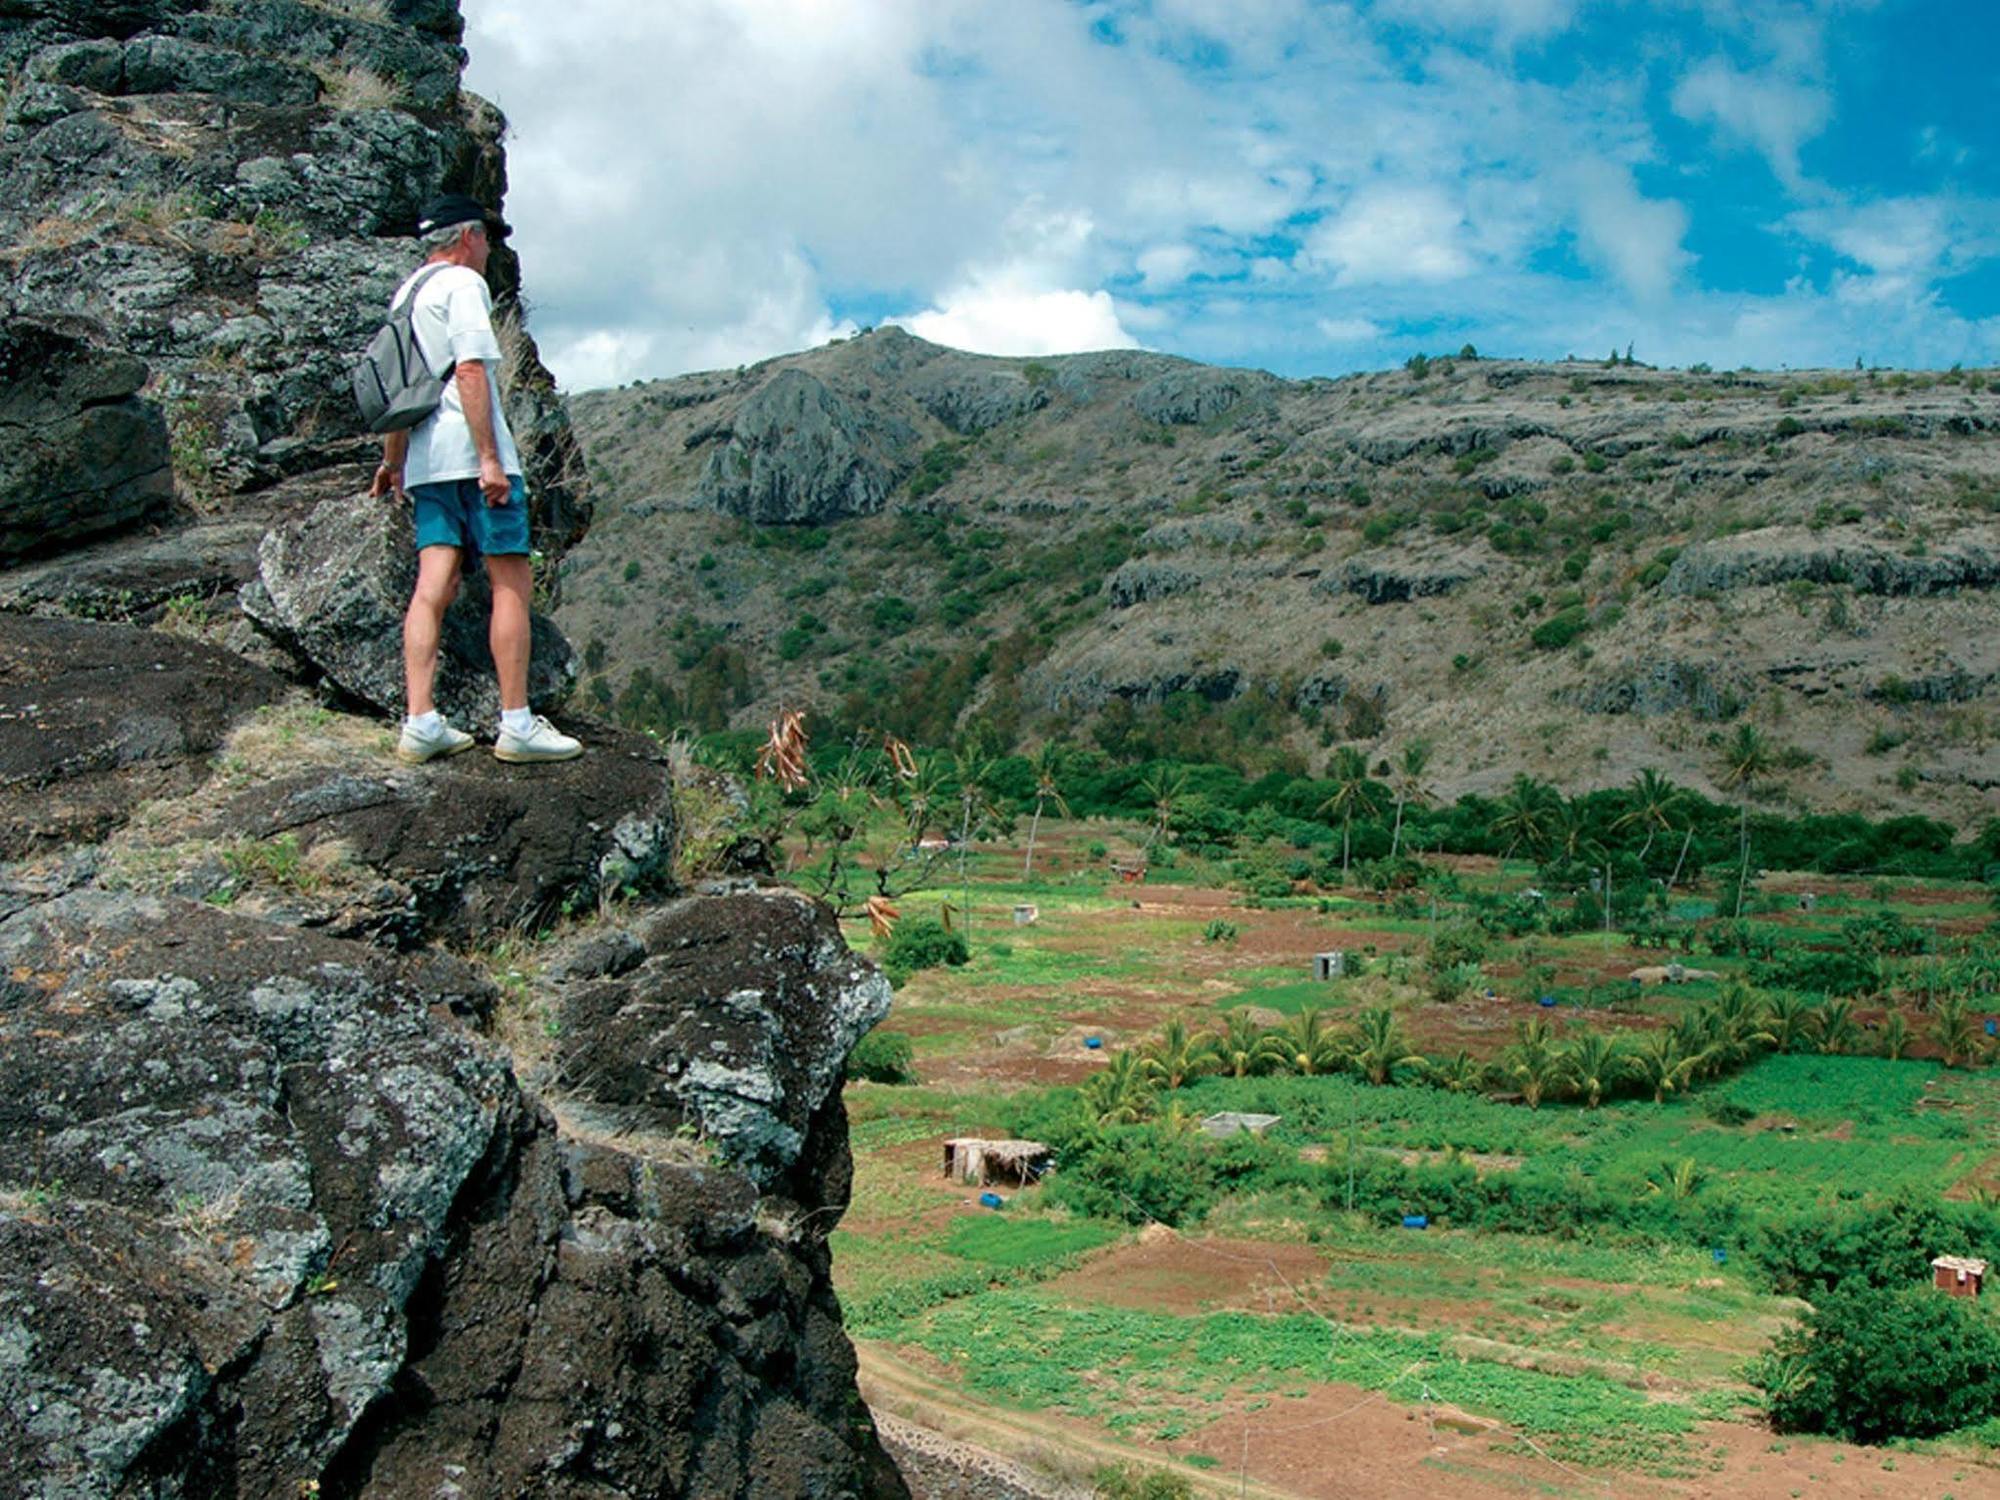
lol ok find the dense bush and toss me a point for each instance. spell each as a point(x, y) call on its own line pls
point(882, 1057)
point(1137, 1173)
point(1886, 1246)
point(1869, 1364)
point(922, 943)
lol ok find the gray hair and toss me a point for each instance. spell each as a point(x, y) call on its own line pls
point(441, 239)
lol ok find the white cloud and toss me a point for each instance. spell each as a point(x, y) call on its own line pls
point(1166, 266)
point(1347, 330)
point(1388, 234)
point(1507, 19)
point(1775, 114)
point(1638, 238)
point(997, 318)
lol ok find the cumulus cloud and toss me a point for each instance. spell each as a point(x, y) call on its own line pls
point(1507, 19)
point(1638, 238)
point(993, 317)
point(1347, 330)
point(1166, 265)
point(1774, 114)
point(1388, 233)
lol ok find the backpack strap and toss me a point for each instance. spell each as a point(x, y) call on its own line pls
point(406, 306)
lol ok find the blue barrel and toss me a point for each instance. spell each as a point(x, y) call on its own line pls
point(991, 1200)
point(1093, 1042)
point(1720, 1254)
point(1416, 1221)
point(1547, 1002)
point(1992, 1027)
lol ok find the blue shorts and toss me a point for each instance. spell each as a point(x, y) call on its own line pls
point(452, 513)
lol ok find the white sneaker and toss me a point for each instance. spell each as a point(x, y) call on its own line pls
point(543, 742)
point(417, 746)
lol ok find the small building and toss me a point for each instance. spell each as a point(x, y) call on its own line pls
point(977, 1162)
point(1960, 1275)
point(1026, 914)
point(1127, 872)
point(1329, 965)
point(1230, 1122)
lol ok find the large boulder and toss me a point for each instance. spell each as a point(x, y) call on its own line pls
point(464, 849)
point(332, 586)
point(277, 1221)
point(730, 1014)
point(96, 718)
point(80, 452)
point(800, 453)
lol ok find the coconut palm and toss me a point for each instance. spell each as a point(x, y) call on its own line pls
point(1534, 1064)
point(1791, 1019)
point(1746, 760)
point(1352, 792)
point(1662, 1064)
point(1236, 1047)
point(1121, 1094)
point(1408, 785)
point(1956, 1031)
point(1838, 1030)
point(1525, 814)
point(1595, 1063)
point(1164, 787)
point(1735, 1024)
point(1176, 1056)
point(1379, 1046)
point(1460, 1073)
point(1303, 1045)
point(1047, 764)
point(1895, 1036)
point(1674, 1179)
point(1655, 802)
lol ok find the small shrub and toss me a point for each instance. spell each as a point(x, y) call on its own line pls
point(882, 1057)
point(920, 943)
point(1221, 930)
point(1130, 1482)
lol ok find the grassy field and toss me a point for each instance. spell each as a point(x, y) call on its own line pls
point(1609, 1349)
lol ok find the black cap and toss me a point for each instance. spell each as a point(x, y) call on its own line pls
point(456, 208)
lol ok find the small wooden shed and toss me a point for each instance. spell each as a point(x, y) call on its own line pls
point(977, 1162)
point(1960, 1275)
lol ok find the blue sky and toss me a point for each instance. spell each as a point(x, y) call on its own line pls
point(1307, 186)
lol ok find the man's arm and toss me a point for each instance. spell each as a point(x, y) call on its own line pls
point(389, 473)
point(475, 398)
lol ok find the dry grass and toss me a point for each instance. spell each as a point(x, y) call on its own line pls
point(349, 87)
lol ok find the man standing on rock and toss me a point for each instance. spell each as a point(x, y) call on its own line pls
point(463, 475)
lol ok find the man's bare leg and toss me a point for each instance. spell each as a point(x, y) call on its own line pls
point(513, 587)
point(437, 586)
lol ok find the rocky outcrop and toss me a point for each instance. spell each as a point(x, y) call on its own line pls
point(80, 453)
point(1780, 555)
point(800, 454)
point(97, 718)
point(228, 191)
point(276, 1219)
point(971, 397)
point(465, 849)
point(1142, 579)
point(1664, 685)
point(332, 587)
point(1393, 578)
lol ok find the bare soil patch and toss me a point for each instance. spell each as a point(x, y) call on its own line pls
point(1170, 1273)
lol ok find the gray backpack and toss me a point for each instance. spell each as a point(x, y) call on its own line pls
point(393, 383)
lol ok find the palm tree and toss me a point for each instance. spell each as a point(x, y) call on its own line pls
point(1746, 760)
point(1654, 802)
point(1534, 1063)
point(1303, 1045)
point(1595, 1062)
point(1408, 785)
point(1352, 792)
point(1047, 765)
point(1236, 1045)
point(1956, 1031)
point(1121, 1093)
point(977, 812)
point(1838, 1030)
point(1735, 1024)
point(1460, 1073)
point(1176, 1055)
point(1792, 1019)
point(1379, 1046)
point(1525, 814)
point(1663, 1065)
point(1895, 1036)
point(1674, 1179)
point(1164, 787)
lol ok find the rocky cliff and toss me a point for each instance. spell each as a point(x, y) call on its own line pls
point(1575, 569)
point(368, 1130)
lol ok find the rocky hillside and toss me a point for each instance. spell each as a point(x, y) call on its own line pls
point(1575, 569)
point(368, 1130)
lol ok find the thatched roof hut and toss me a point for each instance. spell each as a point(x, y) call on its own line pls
point(970, 1159)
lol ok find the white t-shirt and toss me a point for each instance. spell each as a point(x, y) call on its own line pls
point(453, 321)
